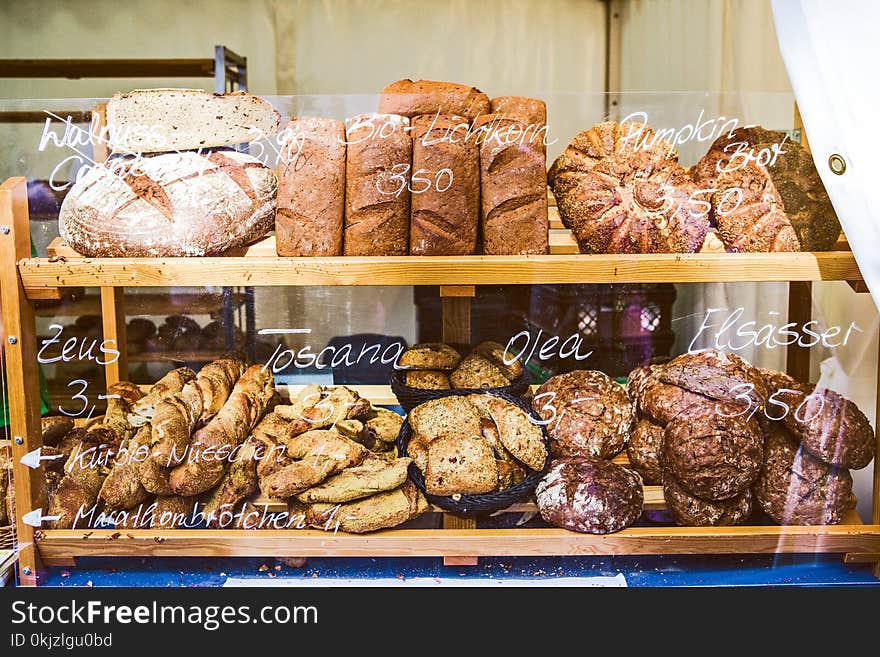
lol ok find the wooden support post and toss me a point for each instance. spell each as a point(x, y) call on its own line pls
point(456, 309)
point(113, 315)
point(100, 137)
point(22, 376)
point(875, 500)
point(800, 310)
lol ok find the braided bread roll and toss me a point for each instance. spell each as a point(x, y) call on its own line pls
point(619, 194)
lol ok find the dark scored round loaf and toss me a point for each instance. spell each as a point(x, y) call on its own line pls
point(784, 205)
point(716, 375)
point(169, 204)
point(712, 456)
point(691, 511)
point(620, 189)
point(590, 495)
point(587, 414)
point(643, 451)
point(833, 429)
point(663, 402)
point(638, 380)
point(795, 488)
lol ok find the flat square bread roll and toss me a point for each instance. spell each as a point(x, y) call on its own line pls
point(447, 416)
point(519, 435)
point(461, 465)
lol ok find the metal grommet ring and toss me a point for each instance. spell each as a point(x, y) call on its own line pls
point(837, 164)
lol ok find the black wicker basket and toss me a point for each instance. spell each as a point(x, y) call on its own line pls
point(488, 502)
point(410, 397)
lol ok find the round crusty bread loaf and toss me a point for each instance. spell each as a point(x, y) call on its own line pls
point(795, 488)
point(587, 414)
point(691, 511)
point(170, 204)
point(713, 454)
point(833, 429)
point(620, 189)
point(590, 495)
point(784, 205)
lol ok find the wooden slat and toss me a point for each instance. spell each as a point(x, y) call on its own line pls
point(440, 270)
point(380, 395)
point(113, 318)
point(99, 122)
point(44, 293)
point(76, 116)
point(75, 69)
point(65, 544)
point(151, 303)
point(22, 377)
point(800, 310)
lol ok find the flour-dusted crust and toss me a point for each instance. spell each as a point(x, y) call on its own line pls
point(590, 495)
point(643, 450)
point(712, 456)
point(159, 120)
point(795, 488)
point(716, 375)
point(311, 188)
point(171, 204)
point(587, 414)
point(663, 402)
point(620, 197)
point(415, 97)
point(833, 429)
point(691, 511)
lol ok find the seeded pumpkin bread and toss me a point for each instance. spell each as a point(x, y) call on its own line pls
point(475, 371)
point(427, 380)
point(463, 465)
point(444, 417)
point(429, 356)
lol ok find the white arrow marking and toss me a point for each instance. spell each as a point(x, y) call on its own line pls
point(35, 518)
point(32, 459)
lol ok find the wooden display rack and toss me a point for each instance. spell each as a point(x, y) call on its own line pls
point(23, 278)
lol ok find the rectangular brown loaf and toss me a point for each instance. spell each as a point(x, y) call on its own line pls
point(531, 111)
point(311, 188)
point(513, 181)
point(414, 97)
point(446, 187)
point(377, 197)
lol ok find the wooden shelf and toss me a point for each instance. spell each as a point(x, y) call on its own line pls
point(75, 69)
point(60, 546)
point(176, 356)
point(150, 303)
point(258, 266)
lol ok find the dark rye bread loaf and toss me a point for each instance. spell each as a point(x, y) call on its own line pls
point(415, 97)
point(833, 429)
point(170, 204)
point(691, 511)
point(716, 375)
point(513, 180)
point(795, 488)
point(587, 414)
point(311, 188)
point(643, 450)
point(713, 455)
point(590, 495)
point(446, 187)
point(377, 207)
point(784, 205)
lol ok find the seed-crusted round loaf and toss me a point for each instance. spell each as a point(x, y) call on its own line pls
point(475, 371)
point(590, 495)
point(620, 189)
point(427, 380)
point(712, 456)
point(587, 414)
point(429, 356)
point(833, 429)
point(638, 380)
point(643, 451)
point(795, 488)
point(784, 205)
point(691, 511)
point(169, 204)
